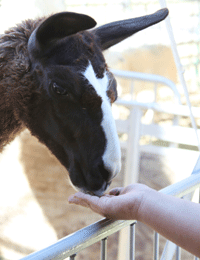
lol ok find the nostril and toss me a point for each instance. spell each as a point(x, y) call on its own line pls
point(104, 172)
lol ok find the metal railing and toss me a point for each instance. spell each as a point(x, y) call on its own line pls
point(71, 245)
point(156, 79)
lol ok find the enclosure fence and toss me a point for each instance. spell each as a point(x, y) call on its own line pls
point(71, 245)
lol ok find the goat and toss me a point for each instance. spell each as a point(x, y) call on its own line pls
point(54, 81)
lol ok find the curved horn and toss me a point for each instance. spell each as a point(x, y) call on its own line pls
point(112, 33)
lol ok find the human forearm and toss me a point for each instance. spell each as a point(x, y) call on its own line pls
point(175, 219)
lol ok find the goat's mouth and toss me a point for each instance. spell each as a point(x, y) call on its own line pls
point(99, 192)
point(94, 182)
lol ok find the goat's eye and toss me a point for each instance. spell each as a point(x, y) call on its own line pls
point(58, 90)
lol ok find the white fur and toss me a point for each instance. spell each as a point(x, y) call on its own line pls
point(112, 154)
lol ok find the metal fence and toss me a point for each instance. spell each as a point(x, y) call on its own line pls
point(71, 245)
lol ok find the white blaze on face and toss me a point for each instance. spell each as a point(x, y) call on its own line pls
point(112, 153)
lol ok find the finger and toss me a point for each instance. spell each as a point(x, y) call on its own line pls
point(83, 199)
point(77, 201)
point(75, 197)
point(115, 191)
point(99, 205)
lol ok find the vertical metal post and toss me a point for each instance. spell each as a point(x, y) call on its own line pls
point(132, 89)
point(131, 171)
point(196, 258)
point(132, 241)
point(178, 253)
point(155, 91)
point(104, 249)
point(133, 152)
point(155, 99)
point(180, 69)
point(72, 257)
point(156, 246)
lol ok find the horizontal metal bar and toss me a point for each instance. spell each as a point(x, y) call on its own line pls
point(79, 240)
point(174, 109)
point(147, 77)
point(170, 133)
point(183, 187)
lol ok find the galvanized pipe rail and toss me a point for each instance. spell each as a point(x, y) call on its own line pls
point(99, 231)
point(74, 243)
point(156, 79)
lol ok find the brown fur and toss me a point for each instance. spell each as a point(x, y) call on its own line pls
point(17, 84)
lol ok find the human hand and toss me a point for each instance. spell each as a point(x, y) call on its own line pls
point(166, 214)
point(120, 203)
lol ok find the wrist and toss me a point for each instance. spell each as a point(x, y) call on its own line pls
point(148, 197)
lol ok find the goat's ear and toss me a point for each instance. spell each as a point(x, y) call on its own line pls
point(113, 33)
point(59, 26)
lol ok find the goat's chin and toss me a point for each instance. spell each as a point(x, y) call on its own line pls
point(97, 193)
